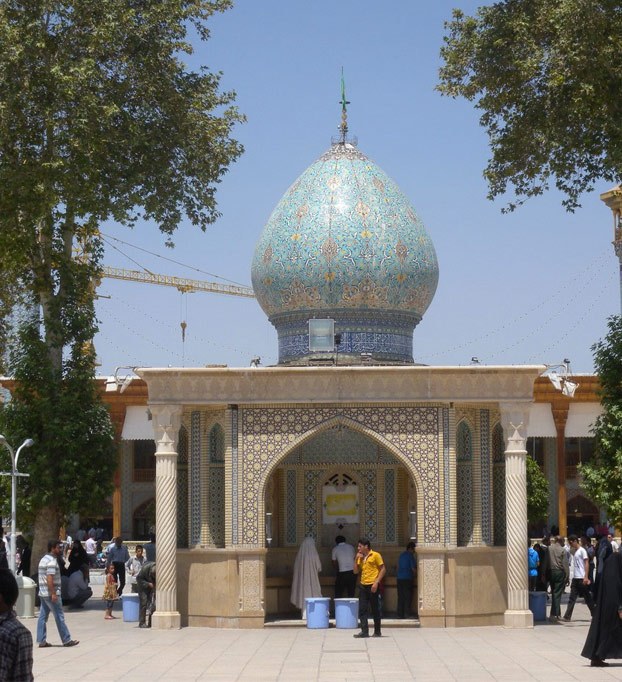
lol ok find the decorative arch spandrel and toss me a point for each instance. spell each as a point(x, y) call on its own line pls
point(268, 434)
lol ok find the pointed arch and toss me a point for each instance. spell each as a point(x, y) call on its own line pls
point(356, 426)
point(464, 482)
point(215, 488)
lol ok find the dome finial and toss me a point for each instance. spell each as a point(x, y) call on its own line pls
point(343, 127)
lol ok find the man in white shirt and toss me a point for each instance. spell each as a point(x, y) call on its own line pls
point(579, 585)
point(614, 544)
point(50, 594)
point(343, 561)
point(91, 551)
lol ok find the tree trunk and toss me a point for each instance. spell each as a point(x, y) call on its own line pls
point(47, 527)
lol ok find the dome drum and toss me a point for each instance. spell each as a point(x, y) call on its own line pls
point(364, 336)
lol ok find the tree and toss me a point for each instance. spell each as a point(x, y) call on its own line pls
point(99, 120)
point(602, 476)
point(547, 76)
point(537, 492)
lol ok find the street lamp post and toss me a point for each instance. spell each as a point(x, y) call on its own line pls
point(14, 475)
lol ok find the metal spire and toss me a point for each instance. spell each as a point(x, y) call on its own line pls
point(343, 127)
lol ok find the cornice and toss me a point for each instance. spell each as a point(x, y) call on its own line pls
point(206, 386)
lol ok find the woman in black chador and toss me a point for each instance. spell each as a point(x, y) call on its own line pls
point(604, 640)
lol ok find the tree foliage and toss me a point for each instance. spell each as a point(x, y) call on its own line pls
point(99, 120)
point(547, 76)
point(537, 492)
point(602, 476)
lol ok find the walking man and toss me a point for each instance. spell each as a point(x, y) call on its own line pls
point(50, 594)
point(343, 561)
point(558, 564)
point(580, 585)
point(371, 567)
point(118, 556)
point(406, 571)
point(145, 580)
point(15, 639)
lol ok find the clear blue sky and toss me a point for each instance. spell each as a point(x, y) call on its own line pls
point(534, 286)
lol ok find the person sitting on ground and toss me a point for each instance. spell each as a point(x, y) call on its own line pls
point(15, 639)
point(75, 589)
point(146, 582)
point(134, 565)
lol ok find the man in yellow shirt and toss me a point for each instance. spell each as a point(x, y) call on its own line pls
point(371, 567)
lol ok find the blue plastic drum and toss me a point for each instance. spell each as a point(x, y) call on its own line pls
point(130, 608)
point(317, 612)
point(346, 613)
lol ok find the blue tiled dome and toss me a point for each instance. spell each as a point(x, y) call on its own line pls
point(345, 243)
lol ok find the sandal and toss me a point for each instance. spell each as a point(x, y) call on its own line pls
point(110, 617)
point(44, 645)
point(71, 642)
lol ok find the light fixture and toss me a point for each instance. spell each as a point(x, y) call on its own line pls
point(559, 376)
point(475, 360)
point(111, 385)
point(255, 361)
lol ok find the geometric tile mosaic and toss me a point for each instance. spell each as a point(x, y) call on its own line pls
point(464, 485)
point(411, 434)
point(311, 511)
point(371, 503)
point(389, 506)
point(484, 440)
point(216, 506)
point(291, 499)
point(195, 478)
point(446, 475)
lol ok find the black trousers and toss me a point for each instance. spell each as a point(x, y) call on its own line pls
point(345, 582)
point(368, 598)
point(579, 589)
point(144, 597)
point(404, 597)
point(119, 575)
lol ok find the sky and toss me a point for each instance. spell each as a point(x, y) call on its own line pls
point(534, 286)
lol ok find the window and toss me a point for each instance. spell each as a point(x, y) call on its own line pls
point(144, 460)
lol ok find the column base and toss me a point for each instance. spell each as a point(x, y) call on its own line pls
point(517, 619)
point(166, 620)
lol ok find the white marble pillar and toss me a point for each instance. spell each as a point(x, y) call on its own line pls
point(514, 418)
point(166, 423)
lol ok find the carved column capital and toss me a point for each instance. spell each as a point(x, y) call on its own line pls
point(166, 423)
point(515, 420)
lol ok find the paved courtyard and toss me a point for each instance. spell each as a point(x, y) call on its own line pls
point(114, 650)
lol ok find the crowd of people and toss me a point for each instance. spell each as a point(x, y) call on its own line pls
point(62, 579)
point(592, 567)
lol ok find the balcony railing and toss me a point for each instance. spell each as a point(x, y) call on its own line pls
point(144, 475)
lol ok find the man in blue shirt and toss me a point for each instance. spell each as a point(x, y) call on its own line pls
point(118, 556)
point(406, 571)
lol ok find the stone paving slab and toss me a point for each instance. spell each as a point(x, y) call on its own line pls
point(114, 650)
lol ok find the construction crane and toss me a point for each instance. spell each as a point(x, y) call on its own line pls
point(183, 284)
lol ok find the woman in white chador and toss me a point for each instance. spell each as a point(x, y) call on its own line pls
point(306, 568)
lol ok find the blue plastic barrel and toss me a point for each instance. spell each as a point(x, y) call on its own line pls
point(537, 605)
point(130, 608)
point(346, 613)
point(317, 612)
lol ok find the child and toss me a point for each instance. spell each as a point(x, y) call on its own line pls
point(110, 592)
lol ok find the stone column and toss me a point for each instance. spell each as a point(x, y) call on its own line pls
point(166, 423)
point(515, 417)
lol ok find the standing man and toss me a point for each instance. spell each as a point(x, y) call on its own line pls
point(91, 549)
point(15, 639)
point(580, 580)
point(343, 561)
point(134, 565)
point(146, 585)
point(558, 565)
point(118, 556)
point(50, 593)
point(371, 567)
point(150, 548)
point(406, 572)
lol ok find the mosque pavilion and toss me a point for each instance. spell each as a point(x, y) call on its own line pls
point(347, 435)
